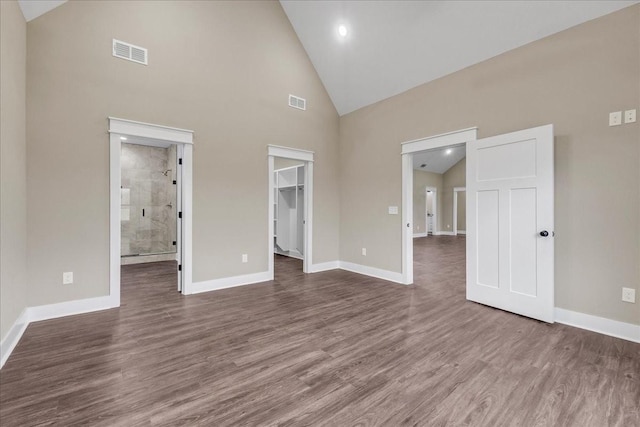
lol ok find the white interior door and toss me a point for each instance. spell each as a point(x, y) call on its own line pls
point(510, 222)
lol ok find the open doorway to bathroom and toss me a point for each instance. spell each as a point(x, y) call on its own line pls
point(150, 193)
point(149, 190)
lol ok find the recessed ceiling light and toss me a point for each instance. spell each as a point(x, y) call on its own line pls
point(342, 30)
point(123, 138)
point(449, 151)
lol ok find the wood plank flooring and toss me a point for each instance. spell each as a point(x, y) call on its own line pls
point(332, 349)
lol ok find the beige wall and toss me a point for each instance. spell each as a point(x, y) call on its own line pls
point(455, 176)
point(462, 211)
point(13, 192)
point(222, 69)
point(422, 180)
point(572, 79)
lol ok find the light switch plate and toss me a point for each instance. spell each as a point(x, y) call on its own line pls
point(630, 116)
point(245, 258)
point(615, 118)
point(629, 295)
point(67, 278)
point(393, 210)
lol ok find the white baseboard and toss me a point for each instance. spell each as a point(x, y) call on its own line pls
point(614, 328)
point(325, 266)
point(13, 336)
point(416, 235)
point(69, 308)
point(443, 233)
point(50, 311)
point(228, 282)
point(392, 276)
point(462, 231)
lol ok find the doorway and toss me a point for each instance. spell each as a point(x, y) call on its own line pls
point(150, 211)
point(431, 211)
point(411, 160)
point(290, 208)
point(509, 224)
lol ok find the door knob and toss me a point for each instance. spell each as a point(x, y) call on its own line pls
point(544, 233)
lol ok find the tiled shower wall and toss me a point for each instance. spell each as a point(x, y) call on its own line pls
point(145, 186)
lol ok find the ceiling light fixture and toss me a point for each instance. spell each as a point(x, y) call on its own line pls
point(449, 151)
point(342, 30)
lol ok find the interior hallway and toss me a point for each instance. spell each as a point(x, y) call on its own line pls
point(333, 348)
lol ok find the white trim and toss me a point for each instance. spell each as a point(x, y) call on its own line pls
point(290, 153)
point(436, 141)
point(407, 219)
point(306, 157)
point(186, 248)
point(416, 235)
point(229, 282)
point(444, 233)
point(391, 276)
point(325, 266)
point(601, 325)
point(12, 338)
point(270, 229)
point(408, 148)
point(462, 232)
point(122, 127)
point(70, 308)
point(148, 130)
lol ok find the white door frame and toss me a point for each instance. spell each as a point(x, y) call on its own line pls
point(408, 148)
point(434, 207)
point(306, 157)
point(127, 128)
point(456, 190)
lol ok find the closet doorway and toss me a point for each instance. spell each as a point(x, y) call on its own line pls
point(288, 221)
point(290, 205)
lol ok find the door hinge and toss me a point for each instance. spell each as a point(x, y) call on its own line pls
point(180, 215)
point(175, 182)
point(179, 161)
point(179, 267)
point(174, 243)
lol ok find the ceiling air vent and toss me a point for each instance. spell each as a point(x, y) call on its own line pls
point(129, 52)
point(297, 102)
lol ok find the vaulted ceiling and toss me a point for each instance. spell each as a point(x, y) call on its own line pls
point(393, 46)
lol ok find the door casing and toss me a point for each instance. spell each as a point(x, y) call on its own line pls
point(408, 149)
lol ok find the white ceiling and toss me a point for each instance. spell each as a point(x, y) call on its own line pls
point(31, 9)
point(438, 160)
point(393, 46)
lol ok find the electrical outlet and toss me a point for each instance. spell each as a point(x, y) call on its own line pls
point(615, 118)
point(630, 116)
point(629, 295)
point(245, 258)
point(364, 251)
point(67, 278)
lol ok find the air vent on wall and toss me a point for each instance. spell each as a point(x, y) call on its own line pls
point(297, 102)
point(129, 52)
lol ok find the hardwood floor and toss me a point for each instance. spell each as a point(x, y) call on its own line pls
point(332, 348)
